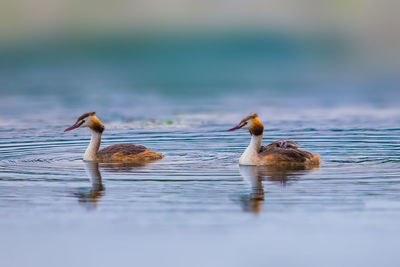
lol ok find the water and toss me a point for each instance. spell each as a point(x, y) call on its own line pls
point(196, 207)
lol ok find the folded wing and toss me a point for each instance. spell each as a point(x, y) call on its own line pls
point(286, 150)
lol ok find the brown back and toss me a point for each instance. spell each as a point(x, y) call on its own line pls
point(288, 150)
point(125, 149)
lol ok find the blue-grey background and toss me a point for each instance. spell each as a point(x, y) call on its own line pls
point(174, 76)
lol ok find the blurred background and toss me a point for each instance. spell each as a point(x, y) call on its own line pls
point(173, 75)
point(98, 54)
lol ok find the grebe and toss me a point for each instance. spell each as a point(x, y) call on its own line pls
point(284, 153)
point(121, 153)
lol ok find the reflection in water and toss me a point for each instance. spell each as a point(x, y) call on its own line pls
point(91, 198)
point(252, 175)
point(120, 167)
point(255, 175)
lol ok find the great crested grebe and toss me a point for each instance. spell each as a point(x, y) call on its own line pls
point(121, 153)
point(283, 153)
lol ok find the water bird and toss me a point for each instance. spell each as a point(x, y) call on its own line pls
point(283, 153)
point(120, 153)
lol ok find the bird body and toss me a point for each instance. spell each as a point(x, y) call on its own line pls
point(119, 153)
point(279, 153)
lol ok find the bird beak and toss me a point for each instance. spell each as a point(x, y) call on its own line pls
point(76, 125)
point(237, 127)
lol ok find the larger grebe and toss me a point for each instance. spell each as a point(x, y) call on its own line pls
point(283, 153)
point(122, 153)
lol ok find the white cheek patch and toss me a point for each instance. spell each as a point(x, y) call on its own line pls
point(247, 126)
point(85, 124)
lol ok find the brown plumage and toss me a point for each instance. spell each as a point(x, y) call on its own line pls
point(286, 152)
point(280, 153)
point(127, 153)
point(84, 115)
point(121, 153)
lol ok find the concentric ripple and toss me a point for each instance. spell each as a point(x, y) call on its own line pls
point(199, 172)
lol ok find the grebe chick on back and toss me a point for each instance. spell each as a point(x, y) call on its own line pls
point(120, 153)
point(282, 153)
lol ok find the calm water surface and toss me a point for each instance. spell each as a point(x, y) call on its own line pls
point(197, 207)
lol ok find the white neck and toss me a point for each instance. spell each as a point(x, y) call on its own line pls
point(93, 148)
point(251, 152)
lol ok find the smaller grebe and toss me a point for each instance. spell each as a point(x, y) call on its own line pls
point(122, 153)
point(283, 153)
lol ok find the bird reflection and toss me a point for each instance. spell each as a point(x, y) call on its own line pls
point(255, 175)
point(91, 198)
point(121, 167)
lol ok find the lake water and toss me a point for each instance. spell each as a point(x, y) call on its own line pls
point(196, 207)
